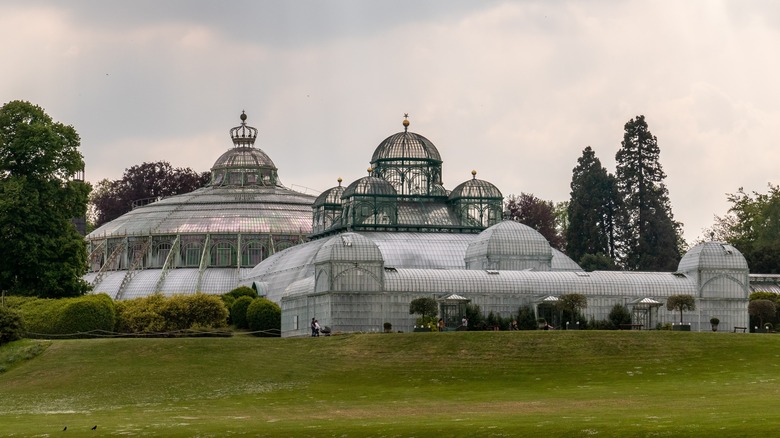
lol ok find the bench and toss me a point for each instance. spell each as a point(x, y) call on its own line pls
point(740, 328)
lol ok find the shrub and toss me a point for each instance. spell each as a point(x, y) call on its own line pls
point(156, 313)
point(602, 324)
point(183, 312)
point(265, 317)
point(242, 291)
point(140, 315)
point(68, 316)
point(238, 312)
point(11, 325)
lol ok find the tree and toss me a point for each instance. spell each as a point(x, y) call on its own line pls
point(648, 237)
point(537, 214)
point(526, 320)
point(592, 209)
point(597, 262)
point(571, 305)
point(752, 225)
point(42, 253)
point(681, 303)
point(763, 310)
point(425, 307)
point(141, 183)
point(619, 315)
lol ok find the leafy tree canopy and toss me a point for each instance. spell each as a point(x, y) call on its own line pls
point(424, 306)
point(763, 310)
point(597, 262)
point(537, 214)
point(42, 253)
point(141, 183)
point(752, 225)
point(681, 303)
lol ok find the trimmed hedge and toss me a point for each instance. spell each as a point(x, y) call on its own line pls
point(156, 313)
point(238, 312)
point(67, 316)
point(11, 325)
point(264, 316)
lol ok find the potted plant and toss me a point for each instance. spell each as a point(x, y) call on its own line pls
point(714, 321)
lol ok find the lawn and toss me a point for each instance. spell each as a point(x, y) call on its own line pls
point(400, 385)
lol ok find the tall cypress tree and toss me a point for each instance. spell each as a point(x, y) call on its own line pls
point(592, 209)
point(649, 238)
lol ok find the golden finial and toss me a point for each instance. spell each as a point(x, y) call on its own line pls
point(339, 180)
point(474, 174)
point(406, 121)
point(369, 170)
point(243, 116)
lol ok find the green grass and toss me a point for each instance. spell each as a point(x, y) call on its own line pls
point(400, 385)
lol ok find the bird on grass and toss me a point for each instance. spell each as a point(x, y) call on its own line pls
point(94, 427)
point(65, 428)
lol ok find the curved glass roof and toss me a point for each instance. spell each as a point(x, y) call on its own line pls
point(712, 255)
point(254, 209)
point(349, 247)
point(369, 185)
point(330, 197)
point(407, 146)
point(475, 189)
point(510, 238)
point(601, 283)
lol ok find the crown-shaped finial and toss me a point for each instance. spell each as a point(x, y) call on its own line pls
point(243, 135)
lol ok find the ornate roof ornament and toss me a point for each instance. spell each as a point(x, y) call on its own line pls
point(244, 135)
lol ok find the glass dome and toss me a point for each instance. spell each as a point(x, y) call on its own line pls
point(475, 189)
point(205, 239)
point(369, 186)
point(244, 164)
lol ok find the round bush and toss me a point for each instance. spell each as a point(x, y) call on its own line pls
point(265, 317)
point(238, 312)
point(86, 314)
point(242, 291)
point(11, 325)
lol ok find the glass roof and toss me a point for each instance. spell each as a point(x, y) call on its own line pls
point(330, 197)
point(649, 284)
point(407, 146)
point(712, 255)
point(369, 185)
point(217, 210)
point(509, 238)
point(476, 189)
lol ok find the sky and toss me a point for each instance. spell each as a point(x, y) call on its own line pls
point(512, 89)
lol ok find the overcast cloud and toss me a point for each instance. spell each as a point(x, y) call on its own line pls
point(515, 90)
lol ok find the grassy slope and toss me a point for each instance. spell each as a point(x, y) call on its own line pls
point(416, 384)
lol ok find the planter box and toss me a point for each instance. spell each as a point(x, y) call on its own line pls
point(681, 328)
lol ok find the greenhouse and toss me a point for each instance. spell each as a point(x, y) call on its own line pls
point(397, 234)
point(204, 240)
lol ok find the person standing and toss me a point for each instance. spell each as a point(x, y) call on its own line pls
point(313, 327)
point(316, 328)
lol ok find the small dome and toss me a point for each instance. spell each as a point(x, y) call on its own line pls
point(712, 256)
point(406, 145)
point(369, 185)
point(509, 245)
point(243, 158)
point(475, 188)
point(330, 197)
point(244, 164)
point(348, 247)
